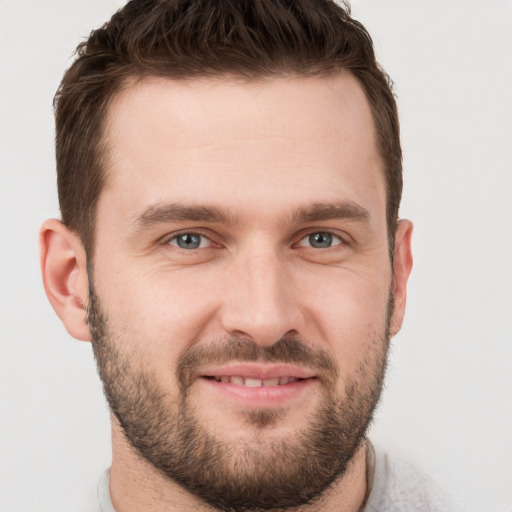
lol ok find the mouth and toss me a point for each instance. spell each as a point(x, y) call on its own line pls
point(253, 385)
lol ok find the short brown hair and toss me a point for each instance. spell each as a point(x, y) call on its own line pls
point(180, 39)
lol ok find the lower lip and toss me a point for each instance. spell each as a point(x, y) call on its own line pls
point(261, 396)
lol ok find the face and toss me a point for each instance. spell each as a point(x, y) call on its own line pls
point(240, 288)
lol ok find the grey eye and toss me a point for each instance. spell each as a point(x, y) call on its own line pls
point(189, 241)
point(320, 240)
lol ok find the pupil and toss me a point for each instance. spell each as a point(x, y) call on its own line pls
point(189, 241)
point(320, 240)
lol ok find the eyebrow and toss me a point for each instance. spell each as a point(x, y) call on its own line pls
point(327, 211)
point(177, 212)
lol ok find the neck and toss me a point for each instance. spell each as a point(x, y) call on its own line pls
point(137, 485)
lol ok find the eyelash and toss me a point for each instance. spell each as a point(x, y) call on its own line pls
point(340, 240)
point(176, 237)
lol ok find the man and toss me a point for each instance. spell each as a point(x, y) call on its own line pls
point(229, 180)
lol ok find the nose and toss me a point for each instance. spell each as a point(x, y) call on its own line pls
point(260, 302)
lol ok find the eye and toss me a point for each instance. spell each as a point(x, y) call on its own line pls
point(189, 241)
point(320, 240)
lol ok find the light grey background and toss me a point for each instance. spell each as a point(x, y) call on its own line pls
point(448, 400)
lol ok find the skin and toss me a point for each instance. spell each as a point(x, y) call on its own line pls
point(259, 152)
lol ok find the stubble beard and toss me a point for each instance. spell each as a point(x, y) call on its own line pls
point(270, 474)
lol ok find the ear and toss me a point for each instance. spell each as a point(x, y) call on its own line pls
point(64, 271)
point(402, 267)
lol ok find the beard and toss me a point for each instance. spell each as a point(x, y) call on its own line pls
point(258, 472)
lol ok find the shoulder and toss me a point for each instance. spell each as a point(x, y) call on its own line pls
point(398, 486)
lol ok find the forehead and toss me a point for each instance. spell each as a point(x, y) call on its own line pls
point(293, 139)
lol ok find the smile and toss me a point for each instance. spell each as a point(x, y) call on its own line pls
point(255, 383)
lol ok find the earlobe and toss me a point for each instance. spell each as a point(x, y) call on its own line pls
point(64, 272)
point(402, 266)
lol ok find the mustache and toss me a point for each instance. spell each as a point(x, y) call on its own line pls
point(287, 350)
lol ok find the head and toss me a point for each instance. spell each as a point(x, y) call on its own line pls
point(229, 179)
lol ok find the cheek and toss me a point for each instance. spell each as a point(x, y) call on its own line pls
point(159, 313)
point(350, 311)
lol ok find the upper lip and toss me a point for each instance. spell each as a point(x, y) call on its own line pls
point(256, 371)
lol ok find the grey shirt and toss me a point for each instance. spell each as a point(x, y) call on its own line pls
point(399, 487)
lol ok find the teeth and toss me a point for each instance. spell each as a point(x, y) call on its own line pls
point(239, 381)
point(255, 383)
